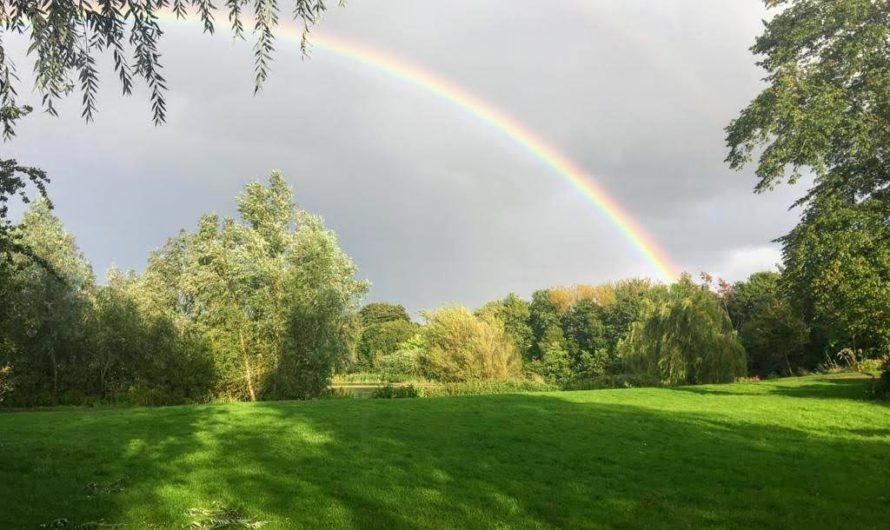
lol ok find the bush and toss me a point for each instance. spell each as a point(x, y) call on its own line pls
point(400, 365)
point(463, 347)
point(396, 392)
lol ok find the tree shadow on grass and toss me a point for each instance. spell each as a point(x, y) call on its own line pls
point(509, 461)
point(853, 388)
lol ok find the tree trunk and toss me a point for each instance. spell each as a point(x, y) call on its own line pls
point(247, 367)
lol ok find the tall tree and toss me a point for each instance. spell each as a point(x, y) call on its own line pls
point(837, 270)
point(141, 355)
point(47, 310)
point(384, 326)
point(627, 306)
point(825, 109)
point(515, 313)
point(685, 337)
point(545, 320)
point(321, 300)
point(273, 294)
point(772, 331)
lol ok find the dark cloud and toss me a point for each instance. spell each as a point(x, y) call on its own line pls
point(433, 205)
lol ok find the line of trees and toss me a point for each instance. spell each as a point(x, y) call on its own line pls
point(262, 307)
point(628, 332)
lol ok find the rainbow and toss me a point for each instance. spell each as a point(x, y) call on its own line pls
point(498, 120)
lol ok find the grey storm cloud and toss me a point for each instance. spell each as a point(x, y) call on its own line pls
point(433, 205)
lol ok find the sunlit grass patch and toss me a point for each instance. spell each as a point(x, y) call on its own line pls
point(792, 453)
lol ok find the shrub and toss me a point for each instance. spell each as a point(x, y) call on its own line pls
point(396, 392)
point(399, 365)
point(463, 347)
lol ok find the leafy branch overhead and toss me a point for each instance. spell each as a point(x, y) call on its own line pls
point(826, 105)
point(67, 36)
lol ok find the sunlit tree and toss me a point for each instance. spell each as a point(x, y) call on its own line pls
point(685, 337)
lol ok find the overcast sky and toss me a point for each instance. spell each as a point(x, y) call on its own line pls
point(433, 205)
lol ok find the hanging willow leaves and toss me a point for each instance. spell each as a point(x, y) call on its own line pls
point(66, 37)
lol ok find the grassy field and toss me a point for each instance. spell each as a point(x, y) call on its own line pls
point(792, 453)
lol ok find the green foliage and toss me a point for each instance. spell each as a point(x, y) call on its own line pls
point(382, 312)
point(13, 185)
point(554, 364)
point(881, 387)
point(838, 271)
point(770, 328)
point(67, 39)
point(515, 313)
point(628, 304)
point(382, 339)
point(5, 372)
point(686, 337)
point(261, 308)
point(544, 319)
point(401, 364)
point(576, 330)
point(396, 392)
point(463, 347)
point(273, 295)
point(46, 306)
point(625, 380)
point(825, 106)
point(140, 356)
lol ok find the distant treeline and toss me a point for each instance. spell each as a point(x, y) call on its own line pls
point(266, 306)
point(631, 332)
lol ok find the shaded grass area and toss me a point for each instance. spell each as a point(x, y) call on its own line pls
point(793, 453)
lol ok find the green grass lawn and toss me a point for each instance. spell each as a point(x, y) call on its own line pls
point(793, 453)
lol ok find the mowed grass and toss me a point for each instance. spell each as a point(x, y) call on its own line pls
point(792, 453)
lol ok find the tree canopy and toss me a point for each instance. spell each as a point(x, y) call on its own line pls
point(826, 109)
point(686, 337)
point(825, 106)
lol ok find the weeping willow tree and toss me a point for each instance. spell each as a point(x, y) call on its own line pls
point(685, 337)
